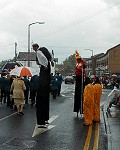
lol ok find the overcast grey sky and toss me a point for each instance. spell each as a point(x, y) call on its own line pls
point(69, 25)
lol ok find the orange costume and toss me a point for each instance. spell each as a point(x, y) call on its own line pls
point(88, 104)
point(97, 95)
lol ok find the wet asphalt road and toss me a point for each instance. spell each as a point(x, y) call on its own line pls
point(65, 132)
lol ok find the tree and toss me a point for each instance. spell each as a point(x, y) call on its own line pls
point(69, 64)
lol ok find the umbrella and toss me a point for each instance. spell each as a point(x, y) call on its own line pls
point(11, 65)
point(23, 71)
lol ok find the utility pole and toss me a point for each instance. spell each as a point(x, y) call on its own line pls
point(15, 51)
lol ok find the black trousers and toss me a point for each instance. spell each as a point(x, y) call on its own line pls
point(33, 97)
point(43, 96)
point(78, 97)
point(42, 107)
point(26, 93)
point(3, 96)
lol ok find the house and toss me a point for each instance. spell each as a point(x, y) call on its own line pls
point(107, 63)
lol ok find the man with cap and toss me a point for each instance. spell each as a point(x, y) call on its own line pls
point(79, 84)
point(43, 59)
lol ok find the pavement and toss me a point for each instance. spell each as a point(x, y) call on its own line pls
point(112, 126)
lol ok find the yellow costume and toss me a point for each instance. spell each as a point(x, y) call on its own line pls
point(97, 95)
point(88, 104)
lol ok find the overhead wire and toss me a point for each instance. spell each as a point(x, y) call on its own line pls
point(77, 22)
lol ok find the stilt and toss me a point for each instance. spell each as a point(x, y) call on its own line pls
point(77, 114)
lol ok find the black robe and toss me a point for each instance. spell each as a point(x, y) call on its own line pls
point(78, 97)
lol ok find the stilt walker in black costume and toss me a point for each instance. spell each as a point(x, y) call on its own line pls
point(43, 94)
point(79, 85)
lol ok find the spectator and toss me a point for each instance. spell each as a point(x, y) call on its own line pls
point(33, 89)
point(54, 87)
point(2, 83)
point(59, 81)
point(11, 98)
point(26, 92)
point(17, 88)
point(7, 89)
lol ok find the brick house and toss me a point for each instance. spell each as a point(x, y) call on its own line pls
point(107, 63)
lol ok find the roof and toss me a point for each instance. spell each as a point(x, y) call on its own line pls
point(22, 56)
point(114, 47)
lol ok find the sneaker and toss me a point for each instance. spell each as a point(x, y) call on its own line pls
point(18, 113)
point(21, 113)
point(46, 122)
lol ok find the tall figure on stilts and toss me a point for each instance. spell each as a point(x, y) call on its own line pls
point(79, 84)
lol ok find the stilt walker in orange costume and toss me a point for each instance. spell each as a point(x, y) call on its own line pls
point(79, 85)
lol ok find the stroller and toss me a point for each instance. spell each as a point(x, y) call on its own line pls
point(114, 98)
point(114, 101)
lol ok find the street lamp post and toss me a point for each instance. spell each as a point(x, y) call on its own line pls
point(90, 50)
point(91, 58)
point(29, 40)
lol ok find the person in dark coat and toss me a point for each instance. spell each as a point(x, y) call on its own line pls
point(11, 93)
point(54, 87)
point(79, 84)
point(59, 80)
point(33, 89)
point(2, 84)
point(43, 94)
point(26, 92)
point(7, 89)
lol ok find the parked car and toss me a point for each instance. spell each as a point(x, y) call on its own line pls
point(69, 79)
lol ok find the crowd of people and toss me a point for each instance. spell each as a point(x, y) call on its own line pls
point(29, 88)
point(16, 91)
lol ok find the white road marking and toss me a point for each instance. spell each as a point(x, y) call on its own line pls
point(53, 118)
point(7, 116)
point(62, 95)
point(38, 131)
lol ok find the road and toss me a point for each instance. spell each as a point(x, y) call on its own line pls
point(65, 132)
